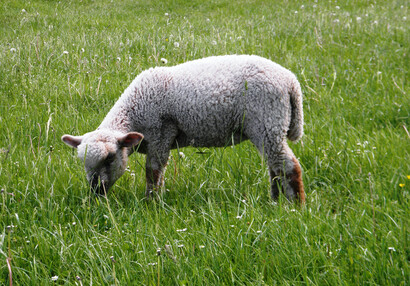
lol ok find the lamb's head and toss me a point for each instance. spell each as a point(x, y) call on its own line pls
point(105, 155)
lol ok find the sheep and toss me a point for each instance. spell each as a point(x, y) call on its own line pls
point(210, 102)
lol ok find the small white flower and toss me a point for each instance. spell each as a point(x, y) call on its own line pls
point(302, 7)
point(259, 231)
point(82, 50)
point(392, 249)
point(74, 223)
point(379, 73)
point(176, 45)
point(375, 22)
point(181, 155)
point(12, 50)
point(180, 245)
point(152, 264)
point(404, 18)
point(296, 12)
point(202, 246)
point(337, 7)
point(54, 278)
point(214, 42)
point(23, 10)
point(232, 225)
point(358, 18)
point(336, 21)
point(118, 59)
point(182, 230)
point(164, 61)
point(166, 14)
point(65, 53)
point(208, 20)
point(129, 58)
point(238, 216)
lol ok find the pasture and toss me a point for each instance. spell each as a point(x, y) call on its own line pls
point(63, 64)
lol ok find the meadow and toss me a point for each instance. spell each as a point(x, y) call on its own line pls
point(63, 64)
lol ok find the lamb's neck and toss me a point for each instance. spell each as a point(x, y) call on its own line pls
point(118, 119)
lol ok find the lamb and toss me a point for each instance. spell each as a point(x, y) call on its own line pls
point(210, 102)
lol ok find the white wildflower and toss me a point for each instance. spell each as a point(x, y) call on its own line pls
point(166, 14)
point(180, 245)
point(259, 231)
point(337, 7)
point(392, 249)
point(202, 246)
point(118, 59)
point(82, 50)
point(238, 216)
point(296, 12)
point(176, 45)
point(336, 21)
point(12, 50)
point(65, 53)
point(181, 155)
point(358, 18)
point(214, 42)
point(182, 230)
point(54, 278)
point(23, 10)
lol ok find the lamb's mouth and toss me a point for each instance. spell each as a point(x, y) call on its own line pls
point(99, 186)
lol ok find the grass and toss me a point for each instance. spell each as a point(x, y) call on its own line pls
point(62, 66)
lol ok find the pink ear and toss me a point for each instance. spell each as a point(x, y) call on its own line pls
point(130, 139)
point(72, 141)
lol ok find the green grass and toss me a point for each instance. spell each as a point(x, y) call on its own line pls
point(63, 64)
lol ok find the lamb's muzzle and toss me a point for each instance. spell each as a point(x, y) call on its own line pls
point(211, 102)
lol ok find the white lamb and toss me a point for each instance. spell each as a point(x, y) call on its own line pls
point(215, 101)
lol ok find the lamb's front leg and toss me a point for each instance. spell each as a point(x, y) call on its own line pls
point(155, 171)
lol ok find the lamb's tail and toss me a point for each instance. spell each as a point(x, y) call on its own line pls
point(295, 131)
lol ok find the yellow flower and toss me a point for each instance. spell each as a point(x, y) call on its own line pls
point(408, 177)
point(401, 185)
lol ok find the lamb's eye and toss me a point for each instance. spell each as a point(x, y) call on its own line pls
point(110, 158)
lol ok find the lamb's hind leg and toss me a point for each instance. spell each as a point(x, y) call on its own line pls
point(284, 169)
point(285, 173)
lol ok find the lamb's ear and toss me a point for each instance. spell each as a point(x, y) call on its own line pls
point(72, 141)
point(130, 139)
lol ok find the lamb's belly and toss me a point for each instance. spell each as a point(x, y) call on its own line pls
point(209, 136)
